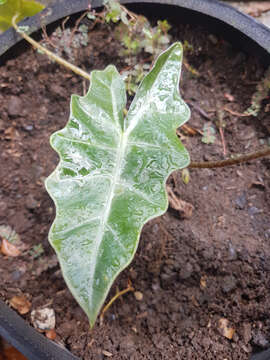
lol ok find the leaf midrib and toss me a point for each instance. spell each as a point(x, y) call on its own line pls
point(124, 135)
point(115, 180)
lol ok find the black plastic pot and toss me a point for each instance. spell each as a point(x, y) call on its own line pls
point(27, 340)
point(241, 30)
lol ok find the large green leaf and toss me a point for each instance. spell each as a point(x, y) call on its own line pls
point(112, 173)
point(9, 8)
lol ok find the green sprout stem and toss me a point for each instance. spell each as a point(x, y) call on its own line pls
point(47, 52)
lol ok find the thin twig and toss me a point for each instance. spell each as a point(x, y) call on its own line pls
point(229, 162)
point(235, 112)
point(199, 110)
point(50, 54)
point(77, 23)
point(131, 14)
point(46, 37)
point(221, 132)
point(63, 25)
point(190, 68)
point(220, 125)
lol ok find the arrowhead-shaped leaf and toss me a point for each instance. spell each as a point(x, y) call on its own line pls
point(112, 172)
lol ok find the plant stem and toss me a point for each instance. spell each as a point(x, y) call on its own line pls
point(229, 162)
point(50, 54)
point(116, 296)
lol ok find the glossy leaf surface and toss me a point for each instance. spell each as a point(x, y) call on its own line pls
point(112, 172)
point(8, 8)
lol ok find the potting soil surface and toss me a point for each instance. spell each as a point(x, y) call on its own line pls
point(202, 283)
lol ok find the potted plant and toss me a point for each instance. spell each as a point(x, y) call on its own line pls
point(192, 277)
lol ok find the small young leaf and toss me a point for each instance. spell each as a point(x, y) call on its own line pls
point(124, 18)
point(261, 93)
point(164, 26)
point(147, 33)
point(114, 11)
point(112, 172)
point(209, 134)
point(9, 8)
point(91, 16)
point(30, 8)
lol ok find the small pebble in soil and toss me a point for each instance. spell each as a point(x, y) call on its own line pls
point(241, 201)
point(57, 90)
point(138, 295)
point(28, 127)
point(127, 343)
point(228, 284)
point(36, 170)
point(3, 207)
point(239, 59)
point(16, 275)
point(204, 298)
point(186, 271)
point(2, 125)
point(213, 39)
point(14, 107)
point(232, 253)
point(246, 332)
point(208, 253)
point(156, 286)
point(30, 202)
point(260, 339)
point(253, 211)
point(43, 319)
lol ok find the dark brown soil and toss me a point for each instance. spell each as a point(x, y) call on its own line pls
point(191, 272)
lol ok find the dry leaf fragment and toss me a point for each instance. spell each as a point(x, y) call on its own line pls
point(9, 249)
point(21, 304)
point(189, 130)
point(229, 97)
point(259, 184)
point(50, 334)
point(225, 329)
point(185, 209)
point(194, 301)
point(107, 353)
point(142, 315)
point(203, 282)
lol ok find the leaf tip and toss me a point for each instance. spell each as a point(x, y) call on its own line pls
point(176, 48)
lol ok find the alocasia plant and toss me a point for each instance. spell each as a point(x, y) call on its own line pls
point(112, 172)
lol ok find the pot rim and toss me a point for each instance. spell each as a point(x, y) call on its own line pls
point(224, 13)
point(12, 327)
